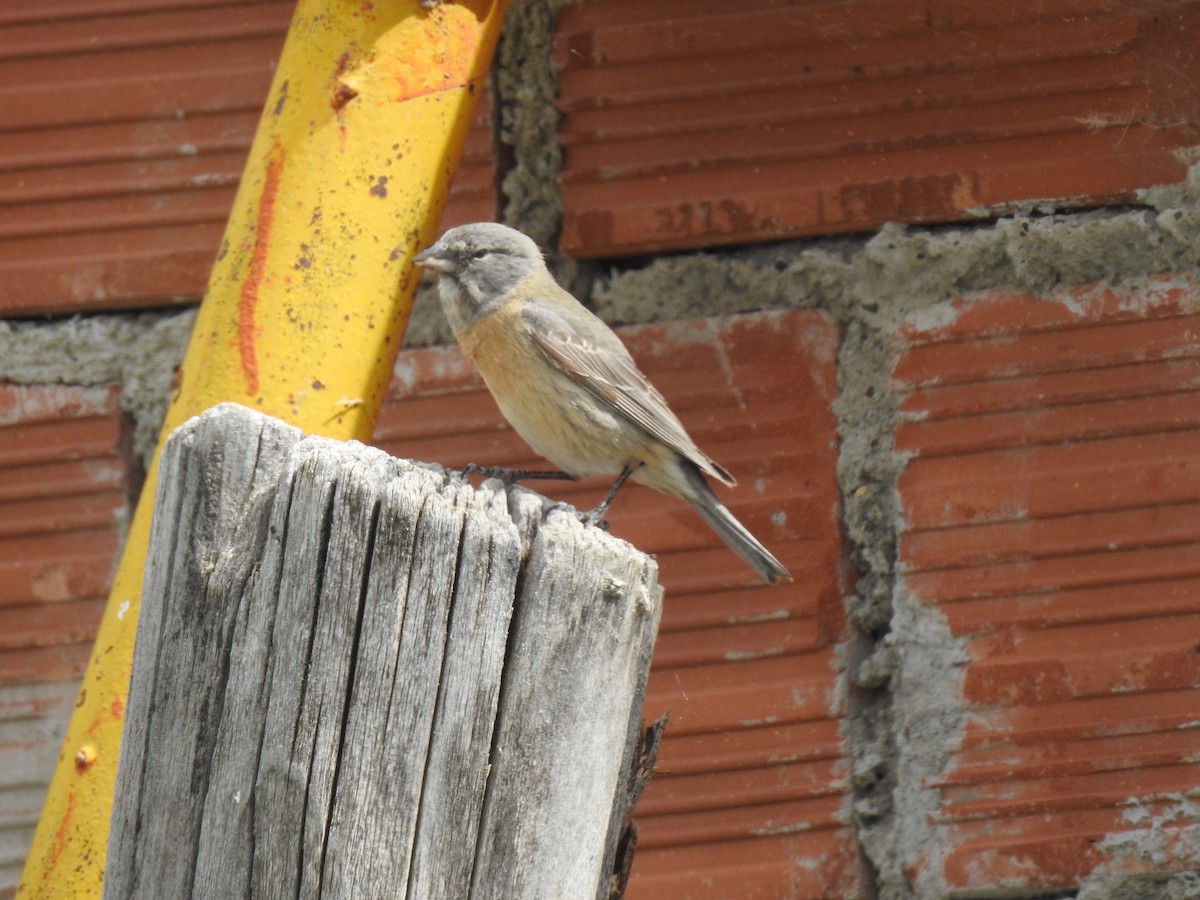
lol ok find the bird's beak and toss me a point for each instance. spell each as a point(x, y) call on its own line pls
point(434, 260)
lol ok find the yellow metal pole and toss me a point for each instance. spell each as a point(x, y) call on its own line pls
point(304, 311)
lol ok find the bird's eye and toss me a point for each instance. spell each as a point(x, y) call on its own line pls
point(480, 254)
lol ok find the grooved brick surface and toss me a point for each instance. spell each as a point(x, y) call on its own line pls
point(699, 122)
point(1052, 517)
point(63, 497)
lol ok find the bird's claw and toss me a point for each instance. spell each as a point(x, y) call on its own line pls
point(595, 518)
point(508, 476)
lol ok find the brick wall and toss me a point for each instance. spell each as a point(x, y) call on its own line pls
point(975, 445)
point(1050, 527)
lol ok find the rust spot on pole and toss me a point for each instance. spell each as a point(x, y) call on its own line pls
point(341, 96)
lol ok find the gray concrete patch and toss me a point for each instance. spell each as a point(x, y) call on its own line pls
point(527, 122)
point(1158, 838)
point(1180, 886)
point(139, 351)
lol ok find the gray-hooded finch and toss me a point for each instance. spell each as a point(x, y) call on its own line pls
point(565, 381)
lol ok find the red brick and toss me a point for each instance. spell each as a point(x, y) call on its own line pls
point(63, 494)
point(699, 123)
point(1050, 516)
point(769, 866)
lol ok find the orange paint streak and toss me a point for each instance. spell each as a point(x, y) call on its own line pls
point(248, 300)
point(118, 707)
point(60, 835)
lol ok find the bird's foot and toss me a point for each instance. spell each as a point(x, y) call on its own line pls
point(512, 476)
point(595, 517)
point(505, 475)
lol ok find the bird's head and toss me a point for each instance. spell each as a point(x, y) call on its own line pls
point(478, 266)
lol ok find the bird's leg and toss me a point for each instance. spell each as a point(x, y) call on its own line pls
point(596, 516)
point(512, 476)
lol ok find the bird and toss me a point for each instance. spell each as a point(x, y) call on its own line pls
point(566, 383)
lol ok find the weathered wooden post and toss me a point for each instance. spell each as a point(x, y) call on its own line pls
point(359, 677)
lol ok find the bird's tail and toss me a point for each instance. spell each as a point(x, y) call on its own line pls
point(730, 530)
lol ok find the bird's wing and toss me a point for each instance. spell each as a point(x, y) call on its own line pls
point(600, 363)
